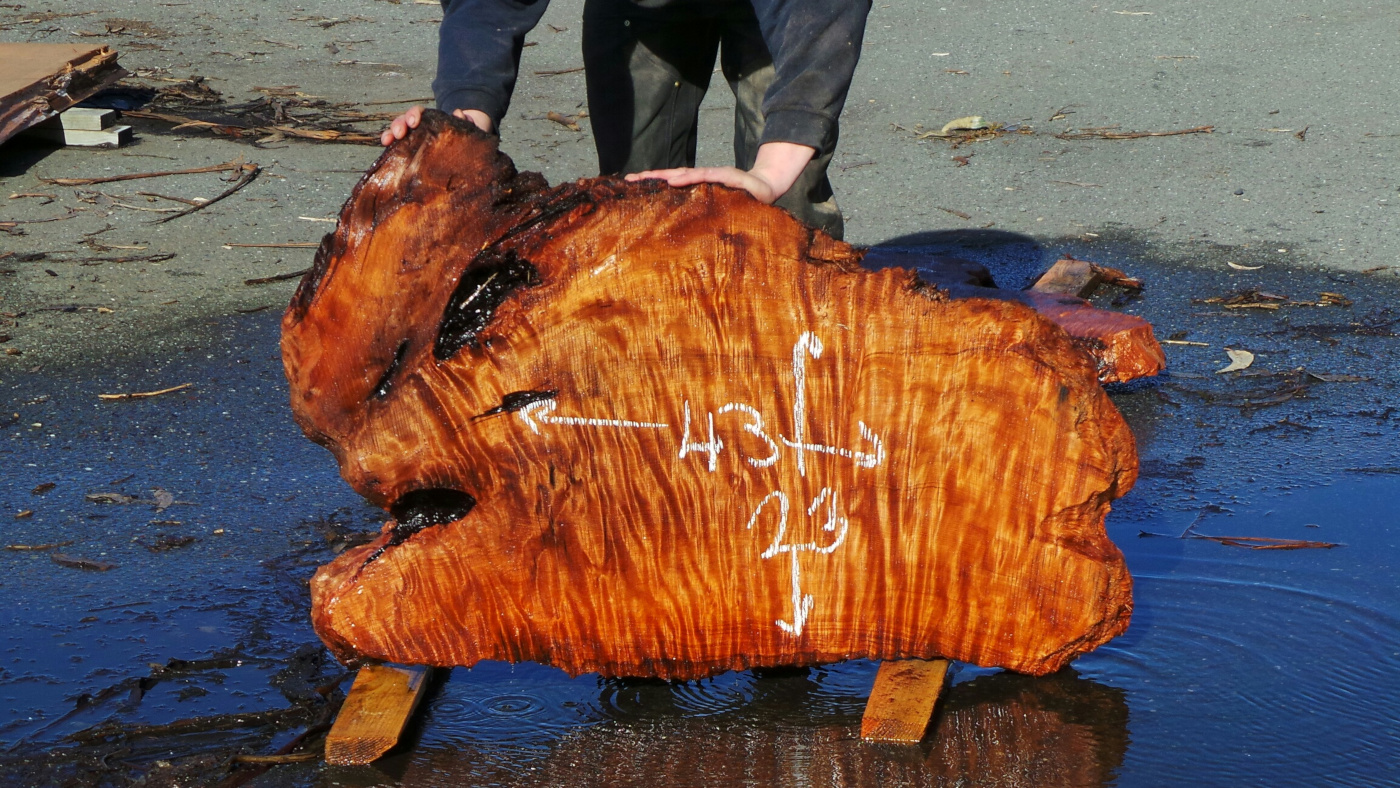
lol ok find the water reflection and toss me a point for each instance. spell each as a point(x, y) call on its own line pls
point(796, 728)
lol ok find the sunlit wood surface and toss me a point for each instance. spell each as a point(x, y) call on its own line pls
point(697, 435)
point(375, 713)
point(902, 700)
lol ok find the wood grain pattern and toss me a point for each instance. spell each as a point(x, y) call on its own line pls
point(697, 436)
point(902, 700)
point(1122, 346)
point(380, 704)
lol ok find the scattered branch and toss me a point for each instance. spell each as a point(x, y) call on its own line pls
point(277, 277)
point(145, 394)
point(228, 165)
point(1107, 133)
point(250, 172)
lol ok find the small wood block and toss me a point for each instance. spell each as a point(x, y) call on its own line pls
point(1069, 276)
point(380, 704)
point(901, 704)
point(87, 119)
point(54, 131)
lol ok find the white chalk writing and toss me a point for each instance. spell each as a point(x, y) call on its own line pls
point(801, 603)
point(871, 454)
point(710, 447)
point(537, 413)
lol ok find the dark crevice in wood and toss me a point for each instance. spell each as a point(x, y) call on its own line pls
point(517, 400)
point(484, 286)
point(422, 509)
point(386, 381)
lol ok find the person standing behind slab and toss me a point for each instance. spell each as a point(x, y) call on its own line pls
point(648, 64)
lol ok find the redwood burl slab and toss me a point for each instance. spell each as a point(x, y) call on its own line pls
point(667, 432)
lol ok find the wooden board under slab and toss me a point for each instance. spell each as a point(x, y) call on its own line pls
point(901, 703)
point(378, 708)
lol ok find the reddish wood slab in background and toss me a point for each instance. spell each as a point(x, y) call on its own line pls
point(669, 432)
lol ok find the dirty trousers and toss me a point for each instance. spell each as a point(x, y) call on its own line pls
point(647, 74)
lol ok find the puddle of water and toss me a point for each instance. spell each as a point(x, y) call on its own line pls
point(1242, 667)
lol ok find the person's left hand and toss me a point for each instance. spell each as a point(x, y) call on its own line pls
point(775, 170)
point(763, 190)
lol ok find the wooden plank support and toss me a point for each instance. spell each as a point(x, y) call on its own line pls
point(380, 704)
point(901, 703)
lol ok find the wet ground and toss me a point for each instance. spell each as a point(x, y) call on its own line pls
point(192, 650)
point(1242, 666)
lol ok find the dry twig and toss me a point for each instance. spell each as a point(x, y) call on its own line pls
point(228, 165)
point(289, 245)
point(145, 394)
point(1107, 133)
point(277, 277)
point(250, 172)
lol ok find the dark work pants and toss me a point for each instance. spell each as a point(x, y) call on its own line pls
point(647, 73)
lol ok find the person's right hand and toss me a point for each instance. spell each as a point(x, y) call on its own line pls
point(398, 128)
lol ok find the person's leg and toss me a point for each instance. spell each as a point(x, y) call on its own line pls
point(748, 67)
point(647, 74)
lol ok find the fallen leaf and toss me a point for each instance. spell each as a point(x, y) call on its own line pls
point(163, 499)
point(562, 120)
point(166, 542)
point(73, 562)
point(109, 497)
point(969, 123)
point(1239, 359)
point(1326, 378)
point(1239, 267)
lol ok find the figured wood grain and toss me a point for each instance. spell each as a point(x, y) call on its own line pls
point(373, 717)
point(902, 700)
point(1121, 346)
point(697, 435)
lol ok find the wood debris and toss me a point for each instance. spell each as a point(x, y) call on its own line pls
point(228, 165)
point(276, 278)
point(38, 547)
point(38, 81)
point(1111, 133)
point(145, 394)
point(74, 562)
point(249, 174)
